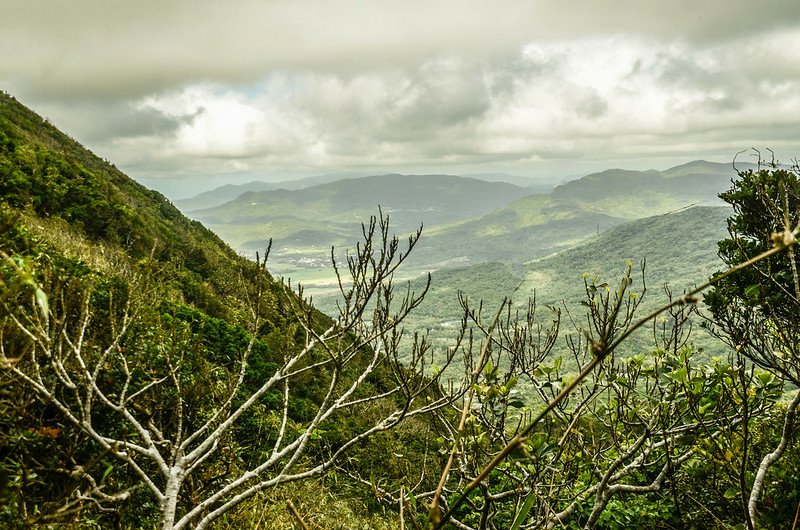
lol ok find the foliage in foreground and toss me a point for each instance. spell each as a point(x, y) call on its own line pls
point(177, 386)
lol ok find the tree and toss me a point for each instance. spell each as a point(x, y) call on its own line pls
point(625, 430)
point(758, 310)
point(125, 374)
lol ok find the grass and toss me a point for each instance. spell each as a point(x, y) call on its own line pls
point(321, 504)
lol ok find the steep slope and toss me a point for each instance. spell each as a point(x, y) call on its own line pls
point(48, 176)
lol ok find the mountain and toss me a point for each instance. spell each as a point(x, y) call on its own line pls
point(679, 248)
point(338, 208)
point(221, 195)
point(228, 192)
point(703, 167)
point(123, 274)
point(540, 224)
point(636, 194)
point(466, 221)
point(533, 184)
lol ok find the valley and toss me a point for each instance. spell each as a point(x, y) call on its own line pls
point(125, 324)
point(494, 240)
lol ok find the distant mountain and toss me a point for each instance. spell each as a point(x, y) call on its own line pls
point(223, 194)
point(636, 194)
point(703, 167)
point(541, 224)
point(339, 207)
point(680, 249)
point(535, 185)
point(228, 192)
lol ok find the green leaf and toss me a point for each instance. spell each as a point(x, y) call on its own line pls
point(412, 500)
point(489, 368)
point(523, 512)
point(753, 291)
point(107, 472)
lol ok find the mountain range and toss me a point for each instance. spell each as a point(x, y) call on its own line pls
point(466, 220)
point(332, 213)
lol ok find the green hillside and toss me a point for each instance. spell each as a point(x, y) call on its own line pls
point(531, 227)
point(121, 319)
point(538, 225)
point(680, 249)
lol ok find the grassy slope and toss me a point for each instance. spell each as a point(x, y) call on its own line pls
point(67, 205)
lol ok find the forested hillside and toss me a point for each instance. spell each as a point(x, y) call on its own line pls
point(147, 369)
point(151, 377)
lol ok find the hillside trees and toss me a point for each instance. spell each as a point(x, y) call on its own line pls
point(199, 430)
point(146, 369)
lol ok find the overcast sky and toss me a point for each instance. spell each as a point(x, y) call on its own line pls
point(204, 90)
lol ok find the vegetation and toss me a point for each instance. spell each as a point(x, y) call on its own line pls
point(151, 377)
point(126, 394)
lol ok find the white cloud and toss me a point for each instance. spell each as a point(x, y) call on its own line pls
point(215, 88)
point(577, 98)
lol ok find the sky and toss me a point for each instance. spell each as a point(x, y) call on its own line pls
point(185, 95)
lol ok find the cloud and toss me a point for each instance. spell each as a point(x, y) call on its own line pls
point(575, 98)
point(128, 49)
point(206, 87)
